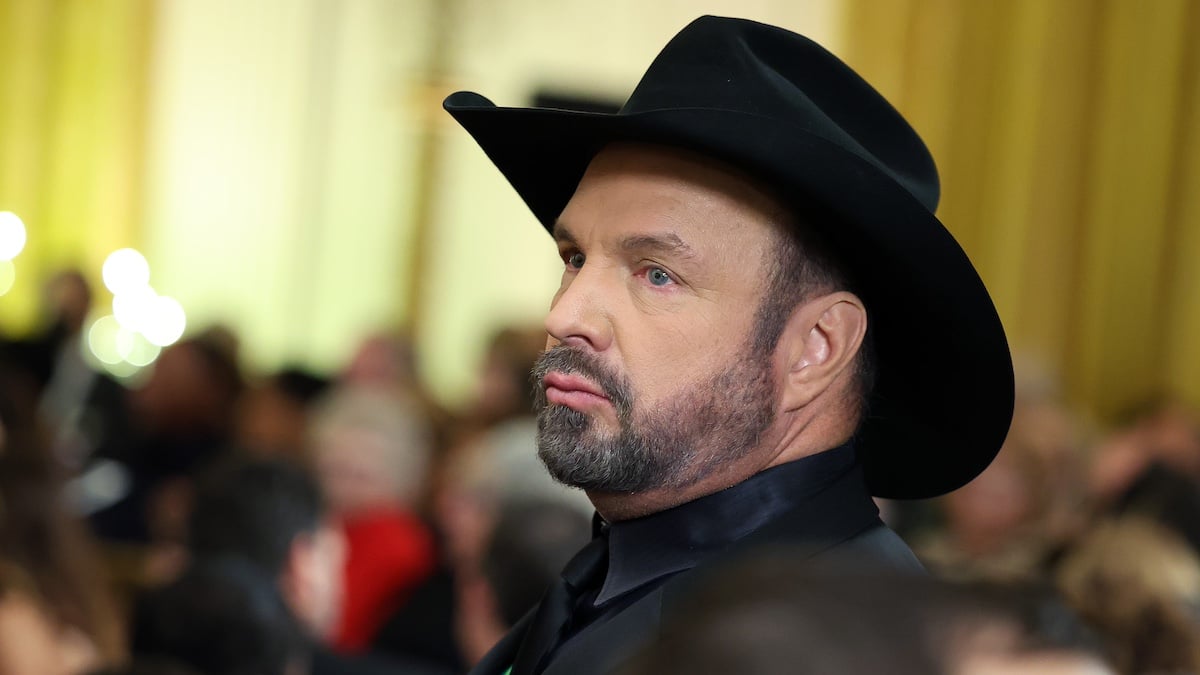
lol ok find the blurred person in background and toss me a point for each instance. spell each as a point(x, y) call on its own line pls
point(272, 416)
point(183, 420)
point(383, 361)
point(85, 408)
point(1166, 497)
point(497, 421)
point(370, 448)
point(56, 612)
point(1162, 433)
point(494, 469)
point(1026, 504)
point(1150, 466)
point(502, 388)
point(1138, 583)
point(388, 361)
point(224, 616)
point(531, 540)
point(66, 301)
point(271, 513)
point(481, 476)
point(989, 523)
point(32, 641)
point(776, 613)
point(1000, 525)
point(150, 665)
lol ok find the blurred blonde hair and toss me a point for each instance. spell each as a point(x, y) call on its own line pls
point(395, 419)
point(1138, 584)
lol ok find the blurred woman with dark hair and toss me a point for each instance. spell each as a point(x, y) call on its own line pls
point(55, 615)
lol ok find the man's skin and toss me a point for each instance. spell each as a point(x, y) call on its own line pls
point(667, 256)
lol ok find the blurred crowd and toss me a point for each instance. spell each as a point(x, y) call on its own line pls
point(210, 520)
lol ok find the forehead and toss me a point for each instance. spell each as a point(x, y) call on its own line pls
point(646, 187)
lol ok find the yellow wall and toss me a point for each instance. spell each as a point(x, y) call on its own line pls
point(72, 109)
point(1066, 135)
point(280, 168)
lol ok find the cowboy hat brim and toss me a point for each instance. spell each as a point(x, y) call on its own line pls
point(943, 395)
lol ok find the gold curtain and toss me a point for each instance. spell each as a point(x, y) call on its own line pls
point(72, 115)
point(1067, 134)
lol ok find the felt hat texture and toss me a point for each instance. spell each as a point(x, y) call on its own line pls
point(781, 108)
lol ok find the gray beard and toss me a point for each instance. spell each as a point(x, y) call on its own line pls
point(713, 422)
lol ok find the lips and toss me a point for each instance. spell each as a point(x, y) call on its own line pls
point(573, 391)
point(565, 382)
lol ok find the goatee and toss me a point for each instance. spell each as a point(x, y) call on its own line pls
point(713, 422)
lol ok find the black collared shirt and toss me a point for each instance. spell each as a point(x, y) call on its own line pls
point(817, 501)
point(645, 549)
point(818, 505)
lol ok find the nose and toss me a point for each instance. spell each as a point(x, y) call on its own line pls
point(578, 315)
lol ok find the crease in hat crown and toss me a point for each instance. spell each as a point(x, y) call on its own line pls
point(750, 69)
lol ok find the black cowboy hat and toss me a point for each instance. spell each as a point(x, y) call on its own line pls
point(785, 110)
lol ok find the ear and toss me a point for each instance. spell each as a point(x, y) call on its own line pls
point(819, 345)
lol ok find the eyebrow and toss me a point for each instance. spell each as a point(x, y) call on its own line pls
point(562, 234)
point(666, 243)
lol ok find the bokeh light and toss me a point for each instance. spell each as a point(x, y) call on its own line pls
point(12, 235)
point(123, 369)
point(142, 322)
point(135, 349)
point(133, 308)
point(125, 270)
point(119, 350)
point(142, 353)
point(124, 340)
point(8, 276)
point(102, 340)
point(165, 322)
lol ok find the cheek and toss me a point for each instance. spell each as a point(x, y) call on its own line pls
point(662, 357)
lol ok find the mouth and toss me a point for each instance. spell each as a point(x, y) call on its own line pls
point(573, 391)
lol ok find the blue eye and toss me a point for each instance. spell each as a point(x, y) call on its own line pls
point(575, 260)
point(658, 276)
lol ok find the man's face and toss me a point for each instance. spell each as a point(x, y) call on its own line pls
point(649, 381)
point(352, 467)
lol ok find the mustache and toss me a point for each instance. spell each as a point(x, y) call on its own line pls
point(571, 361)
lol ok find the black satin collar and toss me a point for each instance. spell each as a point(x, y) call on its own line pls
point(651, 547)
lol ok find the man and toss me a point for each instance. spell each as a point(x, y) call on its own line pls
point(223, 616)
point(270, 513)
point(760, 324)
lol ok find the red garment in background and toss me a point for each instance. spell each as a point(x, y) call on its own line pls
point(388, 552)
